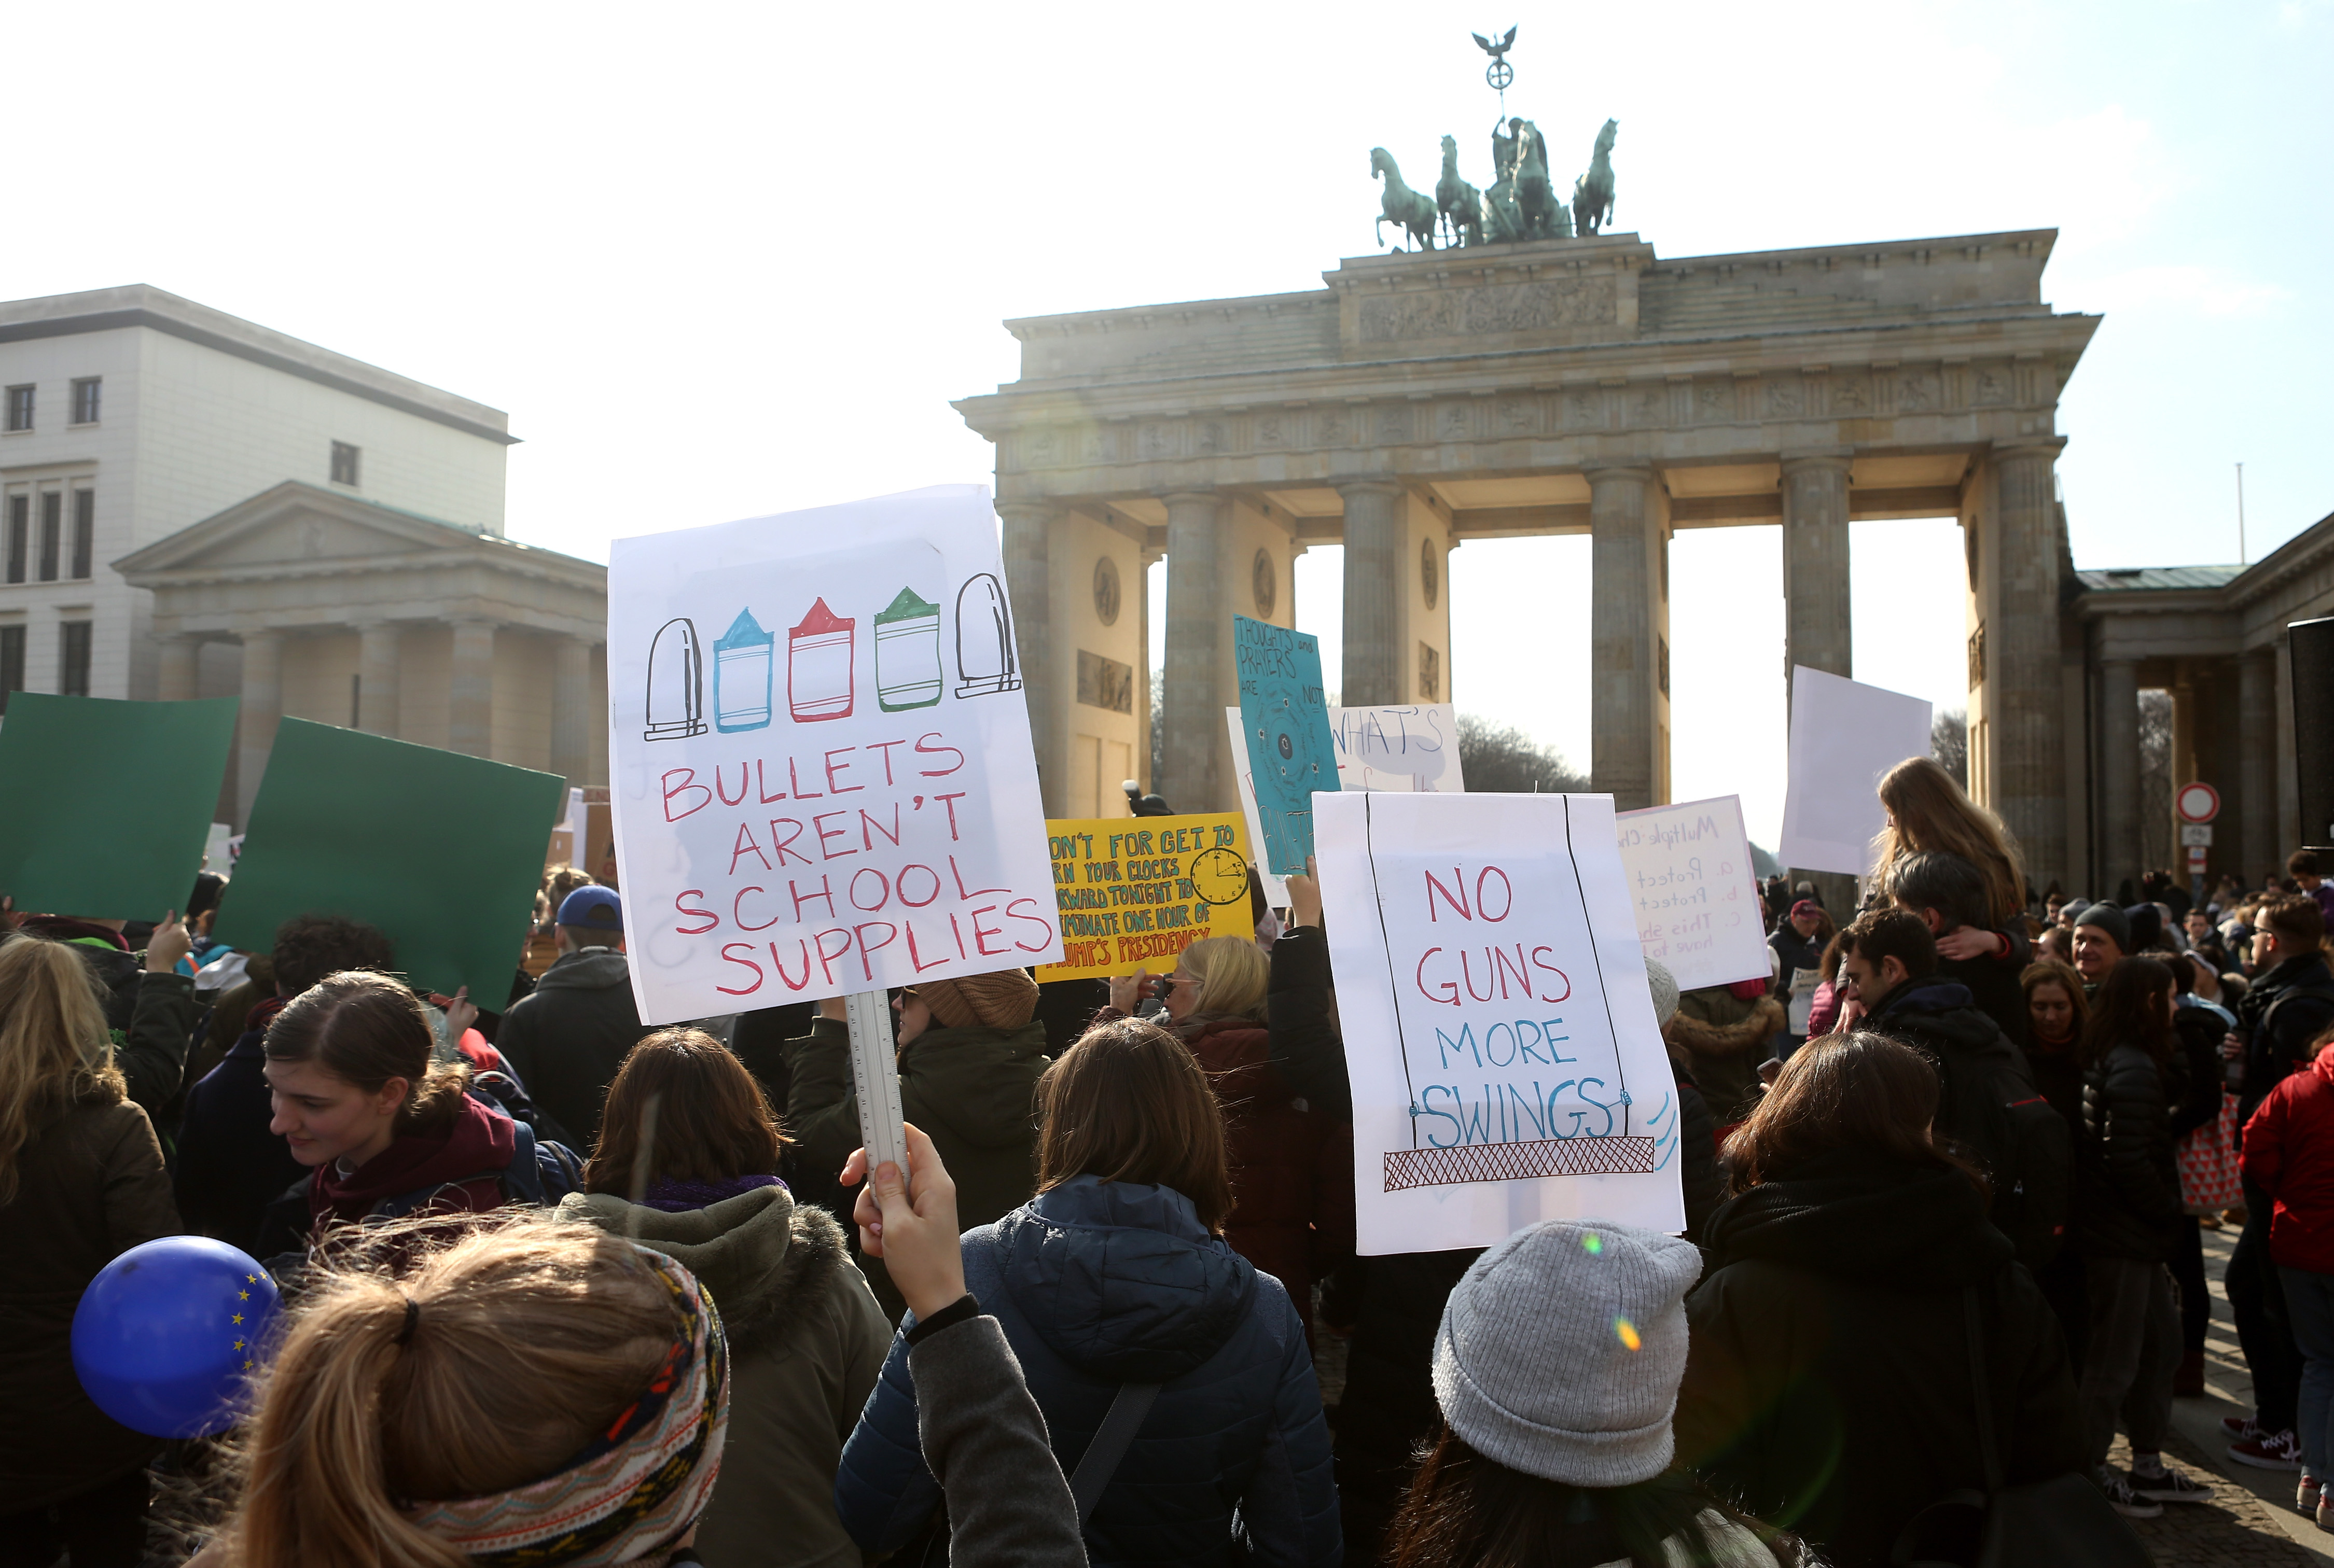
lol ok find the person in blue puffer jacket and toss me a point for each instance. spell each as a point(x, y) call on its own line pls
point(1117, 1272)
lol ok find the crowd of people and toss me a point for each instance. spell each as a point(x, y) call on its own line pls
point(563, 1289)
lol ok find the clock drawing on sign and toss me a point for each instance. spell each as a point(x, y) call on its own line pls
point(1220, 876)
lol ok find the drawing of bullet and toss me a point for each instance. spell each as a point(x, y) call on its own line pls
point(985, 659)
point(676, 683)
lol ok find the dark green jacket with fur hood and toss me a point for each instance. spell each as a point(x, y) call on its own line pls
point(806, 1342)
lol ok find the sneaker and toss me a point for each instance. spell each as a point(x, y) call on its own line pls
point(2269, 1451)
point(2242, 1428)
point(2165, 1485)
point(2325, 1517)
point(2305, 1496)
point(2123, 1499)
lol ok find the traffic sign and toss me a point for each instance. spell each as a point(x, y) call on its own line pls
point(2195, 835)
point(2198, 802)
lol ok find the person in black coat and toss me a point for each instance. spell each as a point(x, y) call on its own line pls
point(2127, 1230)
point(566, 1041)
point(1949, 894)
point(1827, 1386)
point(230, 1168)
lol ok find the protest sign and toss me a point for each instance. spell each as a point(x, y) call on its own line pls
point(447, 866)
point(1409, 748)
point(108, 803)
point(1697, 897)
point(1499, 1035)
point(1844, 735)
point(1412, 747)
point(842, 797)
point(1285, 725)
point(1134, 892)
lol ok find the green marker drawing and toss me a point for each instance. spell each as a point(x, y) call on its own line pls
point(908, 654)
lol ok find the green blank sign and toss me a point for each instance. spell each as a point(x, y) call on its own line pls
point(105, 806)
point(442, 852)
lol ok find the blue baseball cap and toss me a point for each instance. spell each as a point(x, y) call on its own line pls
point(594, 907)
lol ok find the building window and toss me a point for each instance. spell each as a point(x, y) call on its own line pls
point(52, 528)
point(20, 407)
point(84, 400)
point(344, 464)
point(19, 528)
point(73, 658)
point(12, 662)
point(84, 533)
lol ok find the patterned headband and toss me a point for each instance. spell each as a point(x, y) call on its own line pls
point(640, 1482)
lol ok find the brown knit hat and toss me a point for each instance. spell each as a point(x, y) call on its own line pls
point(1001, 999)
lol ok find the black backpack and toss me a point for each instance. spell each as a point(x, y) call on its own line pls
point(1988, 1105)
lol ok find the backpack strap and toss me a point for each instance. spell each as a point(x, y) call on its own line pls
point(1989, 1454)
point(1110, 1441)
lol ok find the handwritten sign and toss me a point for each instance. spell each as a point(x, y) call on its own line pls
point(1412, 747)
point(1505, 1061)
point(1844, 735)
point(1132, 894)
point(1285, 725)
point(862, 809)
point(1697, 897)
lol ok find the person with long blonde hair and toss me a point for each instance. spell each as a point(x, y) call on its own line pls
point(1927, 810)
point(80, 1182)
point(506, 1386)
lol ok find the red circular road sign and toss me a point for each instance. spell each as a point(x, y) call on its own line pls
point(2198, 802)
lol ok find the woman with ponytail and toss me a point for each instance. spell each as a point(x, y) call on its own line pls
point(386, 1129)
point(525, 1391)
point(80, 1183)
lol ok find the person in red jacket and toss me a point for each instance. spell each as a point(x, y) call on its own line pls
point(1291, 1164)
point(2289, 1154)
point(385, 1129)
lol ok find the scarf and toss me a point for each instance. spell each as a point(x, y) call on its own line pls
point(637, 1487)
point(676, 1197)
point(263, 1013)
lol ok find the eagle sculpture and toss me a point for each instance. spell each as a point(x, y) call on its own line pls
point(1496, 50)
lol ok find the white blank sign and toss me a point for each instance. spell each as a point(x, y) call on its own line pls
point(1845, 735)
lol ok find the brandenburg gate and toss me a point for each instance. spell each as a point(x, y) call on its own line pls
point(1575, 385)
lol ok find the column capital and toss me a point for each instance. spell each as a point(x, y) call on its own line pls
point(2030, 449)
point(1192, 497)
point(1031, 510)
point(1807, 462)
point(1369, 487)
point(1624, 470)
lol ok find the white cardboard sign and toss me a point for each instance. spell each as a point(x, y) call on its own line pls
point(1697, 898)
point(1407, 748)
point(1844, 735)
point(1506, 1065)
point(824, 782)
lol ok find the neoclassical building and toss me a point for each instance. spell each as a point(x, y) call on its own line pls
point(1566, 386)
point(195, 505)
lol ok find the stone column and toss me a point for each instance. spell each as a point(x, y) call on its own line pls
point(377, 664)
point(571, 709)
point(1028, 586)
point(1626, 626)
point(2257, 772)
point(2118, 775)
point(470, 708)
point(1817, 628)
point(174, 667)
point(2025, 700)
point(1373, 540)
point(256, 722)
point(1198, 634)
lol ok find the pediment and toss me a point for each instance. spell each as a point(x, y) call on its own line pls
point(292, 525)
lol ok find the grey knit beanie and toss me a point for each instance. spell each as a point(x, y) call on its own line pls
point(2110, 919)
point(1663, 986)
point(1560, 1351)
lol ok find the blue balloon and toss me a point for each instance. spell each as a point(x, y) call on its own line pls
point(167, 1334)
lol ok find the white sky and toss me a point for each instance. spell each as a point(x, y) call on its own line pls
point(724, 260)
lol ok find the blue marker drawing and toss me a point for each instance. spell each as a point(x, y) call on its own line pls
point(741, 676)
point(1285, 716)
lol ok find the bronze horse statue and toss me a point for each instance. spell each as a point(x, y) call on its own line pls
point(1413, 211)
point(1459, 203)
point(1592, 193)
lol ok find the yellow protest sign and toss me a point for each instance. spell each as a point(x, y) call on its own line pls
point(1135, 892)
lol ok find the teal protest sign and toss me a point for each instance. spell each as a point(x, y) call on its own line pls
point(442, 852)
point(108, 804)
point(1285, 720)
